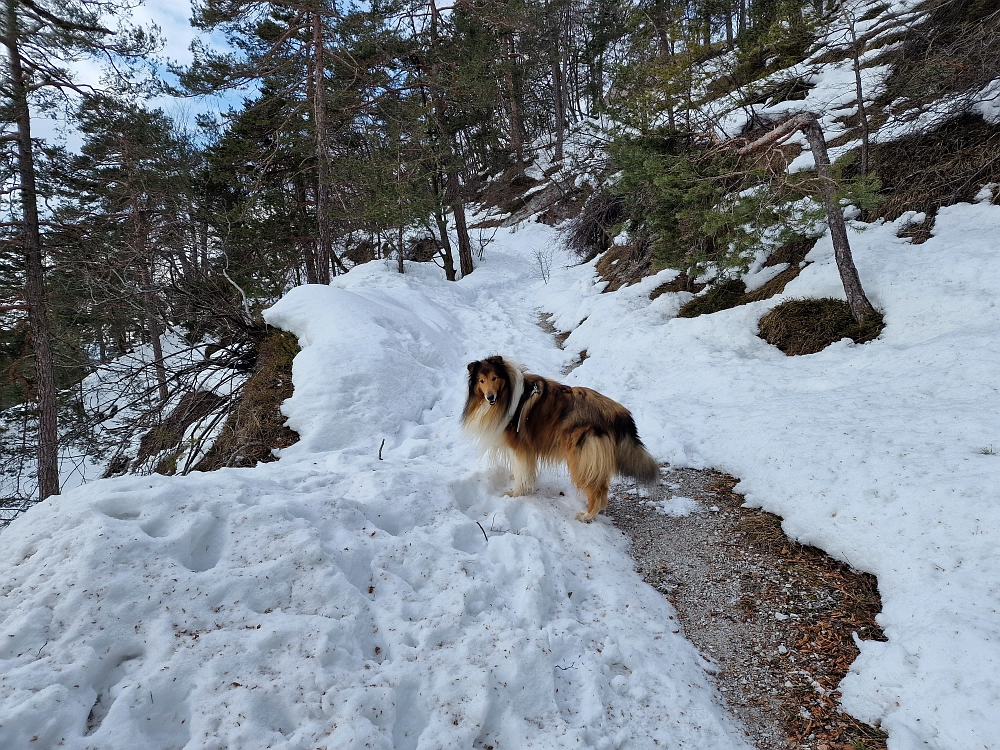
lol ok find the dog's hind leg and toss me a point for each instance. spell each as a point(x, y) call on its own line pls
point(525, 472)
point(591, 464)
point(597, 501)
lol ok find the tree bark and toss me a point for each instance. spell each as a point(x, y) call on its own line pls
point(862, 112)
point(399, 248)
point(513, 109)
point(324, 243)
point(559, 101)
point(448, 259)
point(861, 308)
point(156, 331)
point(34, 286)
point(461, 227)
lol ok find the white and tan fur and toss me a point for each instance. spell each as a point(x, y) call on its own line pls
point(524, 420)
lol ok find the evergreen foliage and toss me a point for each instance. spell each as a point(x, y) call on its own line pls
point(368, 130)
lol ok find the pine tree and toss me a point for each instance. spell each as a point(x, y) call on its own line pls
point(41, 43)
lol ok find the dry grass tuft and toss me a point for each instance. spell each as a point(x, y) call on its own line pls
point(807, 326)
point(924, 172)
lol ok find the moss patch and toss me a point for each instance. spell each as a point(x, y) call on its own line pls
point(256, 425)
point(807, 326)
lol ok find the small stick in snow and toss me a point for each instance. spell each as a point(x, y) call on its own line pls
point(43, 646)
point(483, 530)
point(380, 449)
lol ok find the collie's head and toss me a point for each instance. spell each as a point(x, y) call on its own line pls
point(495, 387)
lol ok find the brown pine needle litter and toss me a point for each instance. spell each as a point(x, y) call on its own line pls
point(775, 617)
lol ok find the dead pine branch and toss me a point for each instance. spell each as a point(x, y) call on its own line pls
point(808, 124)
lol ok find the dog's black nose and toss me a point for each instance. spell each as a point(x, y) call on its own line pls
point(492, 399)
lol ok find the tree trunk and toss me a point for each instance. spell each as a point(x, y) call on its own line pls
point(324, 243)
point(513, 109)
point(34, 285)
point(399, 248)
point(559, 100)
point(862, 113)
point(728, 10)
point(461, 227)
point(156, 331)
point(448, 258)
point(861, 308)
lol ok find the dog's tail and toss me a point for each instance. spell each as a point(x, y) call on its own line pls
point(633, 460)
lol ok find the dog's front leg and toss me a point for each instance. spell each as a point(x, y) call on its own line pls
point(525, 472)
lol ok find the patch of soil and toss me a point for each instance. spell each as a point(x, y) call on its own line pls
point(775, 618)
point(806, 326)
point(719, 297)
point(256, 426)
point(624, 265)
point(546, 324)
point(191, 408)
point(680, 283)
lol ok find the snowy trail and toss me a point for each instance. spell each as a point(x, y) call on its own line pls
point(332, 599)
point(336, 600)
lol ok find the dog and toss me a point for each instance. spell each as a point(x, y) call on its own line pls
point(524, 419)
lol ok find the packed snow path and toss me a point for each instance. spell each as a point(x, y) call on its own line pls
point(336, 600)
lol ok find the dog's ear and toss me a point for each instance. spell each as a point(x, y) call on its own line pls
point(472, 366)
point(495, 360)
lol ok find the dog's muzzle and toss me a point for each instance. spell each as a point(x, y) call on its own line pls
point(491, 397)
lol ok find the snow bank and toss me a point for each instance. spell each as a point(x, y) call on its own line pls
point(335, 599)
point(882, 454)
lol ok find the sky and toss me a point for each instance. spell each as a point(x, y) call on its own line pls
point(173, 20)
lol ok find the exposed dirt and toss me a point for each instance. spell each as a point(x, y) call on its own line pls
point(256, 426)
point(776, 618)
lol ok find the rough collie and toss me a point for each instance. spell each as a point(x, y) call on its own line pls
point(525, 419)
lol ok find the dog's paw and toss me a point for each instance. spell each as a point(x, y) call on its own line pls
point(585, 517)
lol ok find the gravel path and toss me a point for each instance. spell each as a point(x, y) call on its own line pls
point(774, 617)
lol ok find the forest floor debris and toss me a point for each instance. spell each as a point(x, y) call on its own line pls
point(773, 617)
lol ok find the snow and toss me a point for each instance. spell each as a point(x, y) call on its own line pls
point(879, 454)
point(375, 587)
point(356, 592)
point(677, 506)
